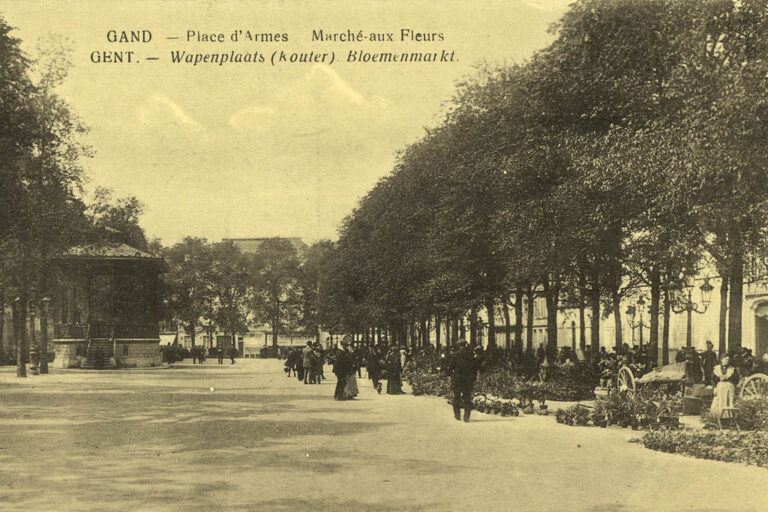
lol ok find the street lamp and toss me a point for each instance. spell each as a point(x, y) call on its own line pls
point(689, 278)
point(631, 313)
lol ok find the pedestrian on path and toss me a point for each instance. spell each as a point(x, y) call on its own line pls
point(373, 366)
point(463, 365)
point(306, 355)
point(342, 367)
point(708, 363)
point(350, 388)
point(317, 364)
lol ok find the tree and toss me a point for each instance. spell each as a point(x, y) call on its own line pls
point(312, 281)
point(189, 282)
point(272, 272)
point(39, 141)
point(118, 218)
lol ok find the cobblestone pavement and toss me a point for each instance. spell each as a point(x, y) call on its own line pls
point(246, 437)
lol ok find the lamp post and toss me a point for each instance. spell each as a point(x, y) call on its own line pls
point(690, 307)
point(631, 313)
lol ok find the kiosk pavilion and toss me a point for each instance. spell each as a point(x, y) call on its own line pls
point(108, 310)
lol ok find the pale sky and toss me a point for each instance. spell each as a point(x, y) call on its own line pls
point(252, 150)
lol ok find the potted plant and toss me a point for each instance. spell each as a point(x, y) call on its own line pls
point(528, 409)
point(580, 415)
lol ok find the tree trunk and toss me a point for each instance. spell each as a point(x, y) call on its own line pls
point(551, 295)
point(529, 326)
point(44, 311)
point(722, 346)
point(456, 334)
point(191, 331)
point(594, 300)
point(2, 319)
point(19, 317)
point(437, 332)
point(665, 330)
point(654, 311)
point(582, 327)
point(274, 332)
point(425, 332)
point(32, 335)
point(736, 283)
point(507, 327)
point(490, 309)
point(616, 303)
point(462, 328)
point(473, 326)
point(519, 319)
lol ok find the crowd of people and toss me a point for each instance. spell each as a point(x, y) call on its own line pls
point(384, 362)
point(173, 353)
point(348, 359)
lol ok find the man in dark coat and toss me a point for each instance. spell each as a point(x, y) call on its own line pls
point(463, 365)
point(373, 367)
point(708, 363)
point(342, 366)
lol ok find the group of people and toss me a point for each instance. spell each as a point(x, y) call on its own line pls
point(200, 354)
point(384, 363)
point(306, 364)
point(379, 362)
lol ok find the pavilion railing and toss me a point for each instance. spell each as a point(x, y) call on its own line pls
point(70, 331)
point(105, 330)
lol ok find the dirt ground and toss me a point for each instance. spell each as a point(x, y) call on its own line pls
point(246, 437)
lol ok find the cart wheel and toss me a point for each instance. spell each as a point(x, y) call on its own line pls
point(754, 386)
point(626, 380)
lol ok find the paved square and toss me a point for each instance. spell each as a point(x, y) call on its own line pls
point(162, 440)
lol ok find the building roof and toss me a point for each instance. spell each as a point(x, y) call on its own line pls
point(251, 244)
point(109, 251)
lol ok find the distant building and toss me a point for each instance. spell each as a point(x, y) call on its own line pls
point(251, 244)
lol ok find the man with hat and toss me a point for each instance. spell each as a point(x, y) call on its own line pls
point(342, 367)
point(463, 365)
point(708, 363)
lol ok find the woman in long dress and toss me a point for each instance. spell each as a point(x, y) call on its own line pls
point(350, 390)
point(725, 391)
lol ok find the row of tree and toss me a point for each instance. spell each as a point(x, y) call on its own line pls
point(626, 154)
point(42, 208)
point(218, 287)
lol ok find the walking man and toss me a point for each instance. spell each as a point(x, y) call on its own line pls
point(342, 366)
point(307, 361)
point(463, 365)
